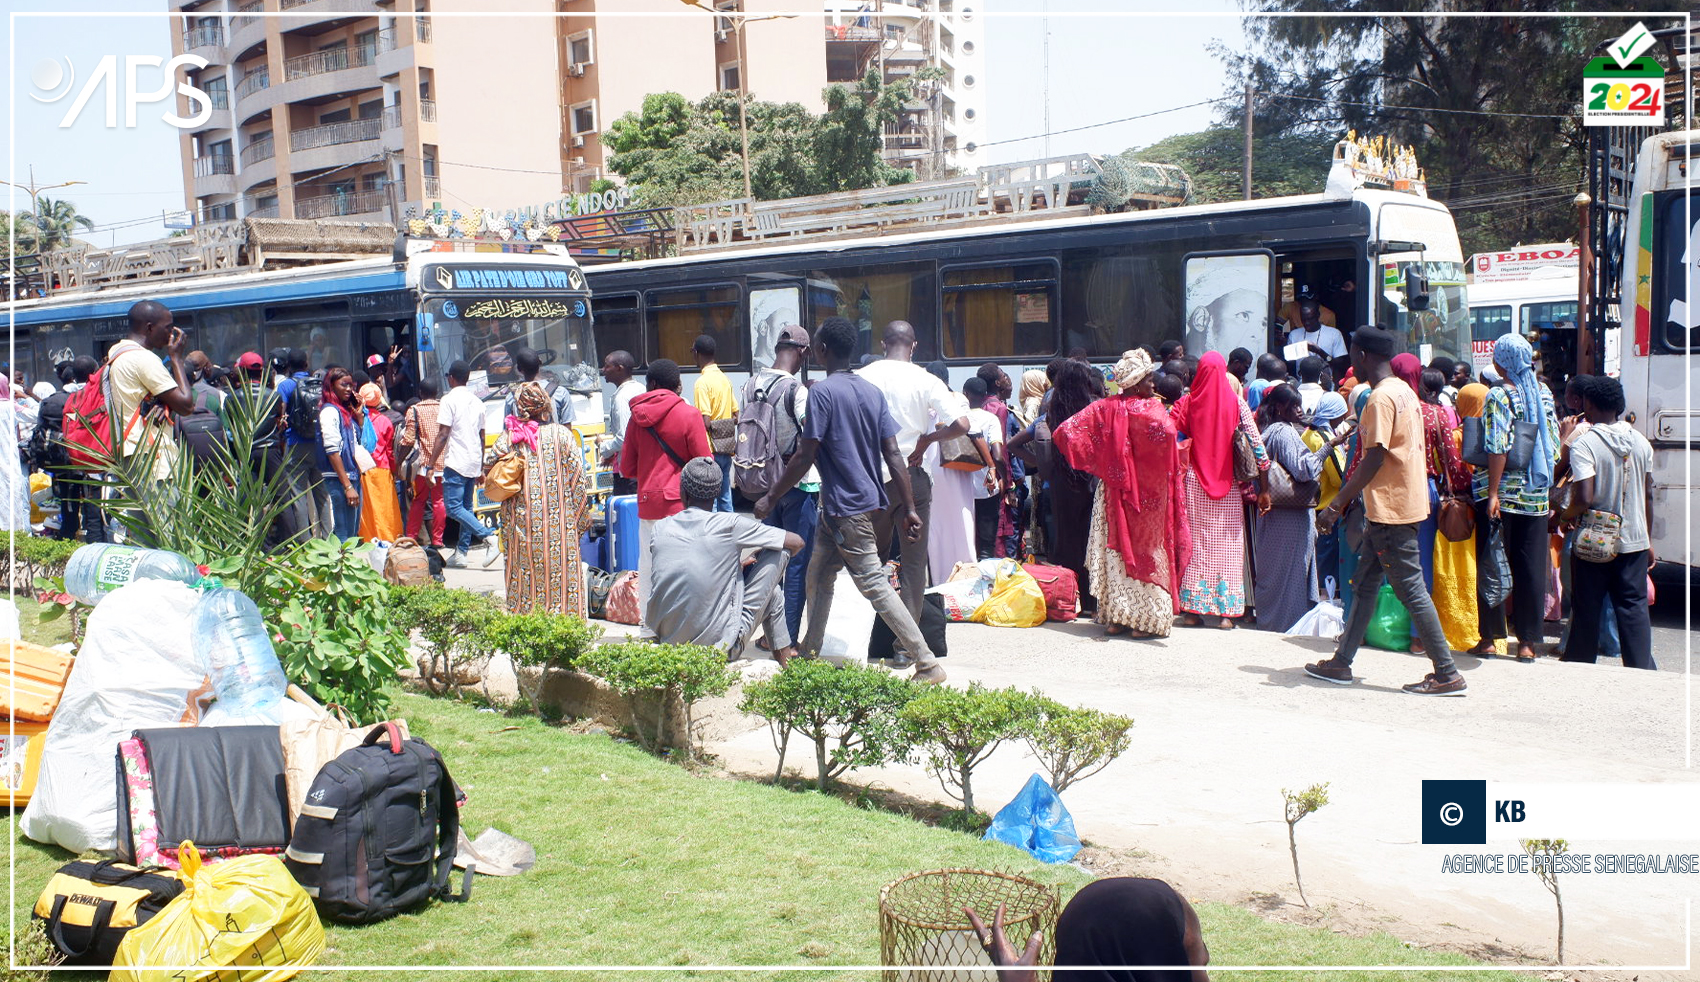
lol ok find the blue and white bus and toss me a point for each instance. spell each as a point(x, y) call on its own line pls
point(441, 306)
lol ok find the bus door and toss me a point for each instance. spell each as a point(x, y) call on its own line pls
point(1657, 373)
point(775, 304)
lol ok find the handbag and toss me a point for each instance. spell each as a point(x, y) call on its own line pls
point(597, 583)
point(1600, 536)
point(1285, 492)
point(959, 454)
point(1455, 517)
point(506, 477)
point(411, 460)
point(1474, 450)
point(1245, 457)
point(723, 436)
point(89, 906)
point(1523, 434)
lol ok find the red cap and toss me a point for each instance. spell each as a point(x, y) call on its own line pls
point(250, 361)
point(374, 360)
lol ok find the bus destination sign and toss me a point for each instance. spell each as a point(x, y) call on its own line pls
point(488, 279)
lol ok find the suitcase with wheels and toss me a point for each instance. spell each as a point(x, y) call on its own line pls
point(623, 541)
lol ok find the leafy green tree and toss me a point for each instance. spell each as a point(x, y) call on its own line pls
point(1295, 806)
point(958, 729)
point(1288, 163)
point(57, 221)
point(1491, 104)
point(849, 141)
point(1074, 744)
point(849, 712)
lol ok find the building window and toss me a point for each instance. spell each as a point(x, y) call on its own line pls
point(218, 92)
point(968, 114)
point(967, 81)
point(729, 77)
point(723, 26)
point(429, 153)
point(372, 110)
point(339, 116)
point(579, 49)
point(584, 118)
point(219, 213)
point(366, 47)
point(968, 47)
point(372, 182)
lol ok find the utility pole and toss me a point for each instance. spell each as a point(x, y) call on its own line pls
point(34, 191)
point(1245, 177)
point(1585, 350)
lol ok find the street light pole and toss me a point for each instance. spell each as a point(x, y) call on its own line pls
point(738, 23)
point(34, 190)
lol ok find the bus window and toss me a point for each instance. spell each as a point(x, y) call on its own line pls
point(227, 332)
point(1677, 260)
point(320, 329)
point(1542, 316)
point(617, 327)
point(1488, 323)
point(674, 318)
point(872, 297)
point(1114, 299)
point(1000, 311)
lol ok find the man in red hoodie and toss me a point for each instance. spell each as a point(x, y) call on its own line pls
point(664, 432)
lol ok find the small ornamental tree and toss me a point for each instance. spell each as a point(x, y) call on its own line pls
point(657, 671)
point(1543, 852)
point(851, 713)
point(542, 640)
point(958, 729)
point(1298, 805)
point(1073, 744)
point(453, 624)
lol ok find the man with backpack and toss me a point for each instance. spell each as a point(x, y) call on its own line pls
point(530, 366)
point(79, 500)
point(144, 394)
point(775, 405)
point(202, 429)
point(253, 403)
point(301, 393)
point(665, 431)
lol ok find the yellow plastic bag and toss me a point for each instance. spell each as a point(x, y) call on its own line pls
point(245, 913)
point(1016, 599)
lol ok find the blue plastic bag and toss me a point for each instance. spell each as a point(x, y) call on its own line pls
point(1036, 822)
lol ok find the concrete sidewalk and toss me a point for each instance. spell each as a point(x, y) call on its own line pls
point(1226, 720)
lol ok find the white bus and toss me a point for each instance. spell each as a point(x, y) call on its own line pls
point(1656, 357)
point(1535, 308)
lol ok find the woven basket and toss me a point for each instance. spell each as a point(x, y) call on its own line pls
point(922, 923)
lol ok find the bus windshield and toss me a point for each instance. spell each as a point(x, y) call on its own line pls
point(488, 344)
point(1444, 327)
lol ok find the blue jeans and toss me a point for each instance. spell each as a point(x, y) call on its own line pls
point(796, 512)
point(724, 502)
point(345, 518)
point(457, 501)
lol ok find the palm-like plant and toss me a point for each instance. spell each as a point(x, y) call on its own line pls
point(52, 225)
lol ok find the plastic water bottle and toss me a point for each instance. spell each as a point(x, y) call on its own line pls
point(230, 639)
point(98, 569)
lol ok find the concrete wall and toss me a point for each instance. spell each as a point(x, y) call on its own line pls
point(636, 56)
point(498, 104)
point(786, 58)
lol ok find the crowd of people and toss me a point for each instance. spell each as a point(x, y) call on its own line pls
point(1178, 490)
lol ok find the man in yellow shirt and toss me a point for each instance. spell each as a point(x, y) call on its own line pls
point(144, 394)
point(714, 399)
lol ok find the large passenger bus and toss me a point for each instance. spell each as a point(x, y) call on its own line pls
point(440, 306)
point(1656, 353)
point(1214, 276)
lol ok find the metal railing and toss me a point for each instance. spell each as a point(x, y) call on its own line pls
point(424, 29)
point(202, 37)
point(341, 203)
point(846, 32)
point(391, 118)
point(253, 82)
point(251, 6)
point(329, 60)
point(428, 110)
point(254, 209)
point(222, 163)
point(331, 134)
point(433, 187)
point(386, 39)
point(259, 150)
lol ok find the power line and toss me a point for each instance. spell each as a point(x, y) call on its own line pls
point(1109, 122)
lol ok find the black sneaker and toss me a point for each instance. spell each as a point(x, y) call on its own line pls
point(1432, 686)
point(1330, 671)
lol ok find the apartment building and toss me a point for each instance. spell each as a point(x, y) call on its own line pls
point(361, 109)
point(365, 109)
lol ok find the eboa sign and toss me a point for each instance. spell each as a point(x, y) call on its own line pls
point(1521, 262)
point(59, 79)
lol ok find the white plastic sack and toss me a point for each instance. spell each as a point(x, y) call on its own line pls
point(849, 624)
point(134, 671)
point(1325, 620)
point(280, 712)
point(962, 597)
point(379, 555)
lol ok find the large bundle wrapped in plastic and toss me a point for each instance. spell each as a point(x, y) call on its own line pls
point(135, 670)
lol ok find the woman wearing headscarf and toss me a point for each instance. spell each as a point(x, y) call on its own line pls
point(1324, 426)
point(14, 480)
point(1284, 545)
point(542, 524)
point(1489, 622)
point(1211, 416)
point(1138, 537)
point(380, 511)
point(1117, 921)
point(1517, 497)
point(1033, 387)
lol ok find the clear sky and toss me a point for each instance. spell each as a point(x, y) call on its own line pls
point(1104, 64)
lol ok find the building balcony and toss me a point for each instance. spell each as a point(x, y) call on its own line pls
point(252, 83)
point(206, 41)
point(848, 32)
point(260, 173)
point(257, 151)
point(333, 134)
point(328, 61)
point(328, 9)
point(222, 163)
point(215, 175)
point(247, 31)
point(433, 186)
point(342, 205)
point(253, 209)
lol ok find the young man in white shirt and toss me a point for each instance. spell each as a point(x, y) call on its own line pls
point(925, 412)
point(618, 367)
point(1324, 341)
point(988, 490)
point(457, 460)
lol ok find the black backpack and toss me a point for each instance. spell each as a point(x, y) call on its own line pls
point(201, 431)
point(378, 832)
point(302, 413)
point(46, 449)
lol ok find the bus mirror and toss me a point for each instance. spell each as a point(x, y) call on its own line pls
point(1416, 287)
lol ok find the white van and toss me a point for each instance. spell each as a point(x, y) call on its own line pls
point(1531, 307)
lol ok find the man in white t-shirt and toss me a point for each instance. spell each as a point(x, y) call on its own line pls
point(457, 461)
point(988, 490)
point(1325, 342)
point(144, 394)
point(925, 413)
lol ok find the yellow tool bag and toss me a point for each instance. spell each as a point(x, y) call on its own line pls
point(89, 907)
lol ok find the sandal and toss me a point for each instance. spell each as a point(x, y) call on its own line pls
point(1227, 624)
point(1191, 620)
point(1111, 630)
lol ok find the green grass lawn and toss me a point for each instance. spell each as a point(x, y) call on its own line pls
point(643, 863)
point(56, 631)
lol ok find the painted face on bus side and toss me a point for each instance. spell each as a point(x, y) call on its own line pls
point(1234, 314)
